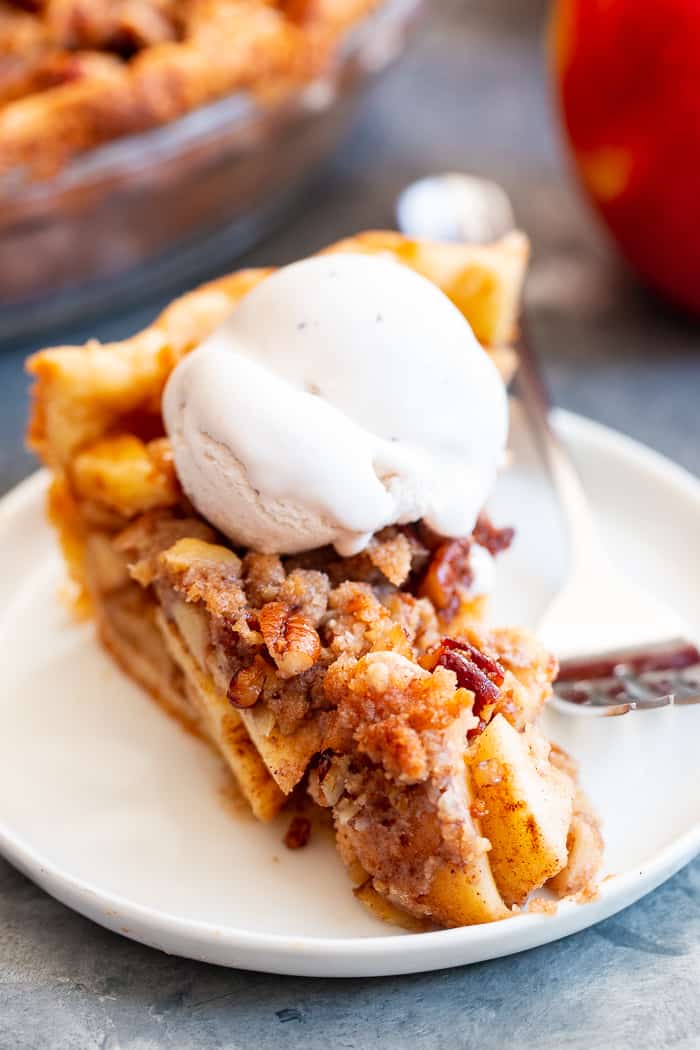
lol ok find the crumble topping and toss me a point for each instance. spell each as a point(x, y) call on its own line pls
point(277, 624)
point(397, 737)
point(383, 700)
point(392, 701)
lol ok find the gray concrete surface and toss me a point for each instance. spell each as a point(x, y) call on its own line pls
point(471, 96)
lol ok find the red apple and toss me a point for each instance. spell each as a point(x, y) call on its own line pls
point(628, 79)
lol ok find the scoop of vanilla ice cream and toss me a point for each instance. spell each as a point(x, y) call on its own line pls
point(343, 394)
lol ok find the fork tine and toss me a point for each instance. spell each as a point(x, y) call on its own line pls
point(637, 689)
point(643, 679)
point(586, 710)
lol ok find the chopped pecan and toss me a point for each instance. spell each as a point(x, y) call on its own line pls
point(298, 833)
point(327, 777)
point(322, 763)
point(487, 535)
point(448, 570)
point(245, 686)
point(488, 664)
point(471, 677)
point(291, 639)
point(476, 670)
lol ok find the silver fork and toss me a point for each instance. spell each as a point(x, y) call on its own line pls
point(657, 666)
point(663, 667)
point(636, 679)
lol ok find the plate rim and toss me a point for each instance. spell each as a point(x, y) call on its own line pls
point(400, 952)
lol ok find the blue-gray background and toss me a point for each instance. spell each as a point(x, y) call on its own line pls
point(471, 96)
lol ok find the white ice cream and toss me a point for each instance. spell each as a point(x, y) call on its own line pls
point(483, 571)
point(343, 394)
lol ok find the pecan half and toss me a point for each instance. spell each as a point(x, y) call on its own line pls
point(291, 639)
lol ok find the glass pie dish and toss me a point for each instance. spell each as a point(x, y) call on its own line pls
point(135, 216)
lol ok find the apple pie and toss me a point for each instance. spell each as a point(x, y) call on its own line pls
point(369, 681)
point(78, 73)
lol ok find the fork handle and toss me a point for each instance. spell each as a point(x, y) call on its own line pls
point(534, 397)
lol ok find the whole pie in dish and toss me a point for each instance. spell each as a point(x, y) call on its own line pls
point(364, 676)
point(77, 73)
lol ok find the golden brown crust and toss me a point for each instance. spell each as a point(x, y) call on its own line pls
point(126, 474)
point(483, 281)
point(78, 73)
point(84, 393)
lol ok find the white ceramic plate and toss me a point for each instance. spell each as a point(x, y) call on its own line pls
point(109, 806)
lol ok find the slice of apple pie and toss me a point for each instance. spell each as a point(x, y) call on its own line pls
point(288, 554)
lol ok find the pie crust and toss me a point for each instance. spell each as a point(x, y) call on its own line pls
point(75, 74)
